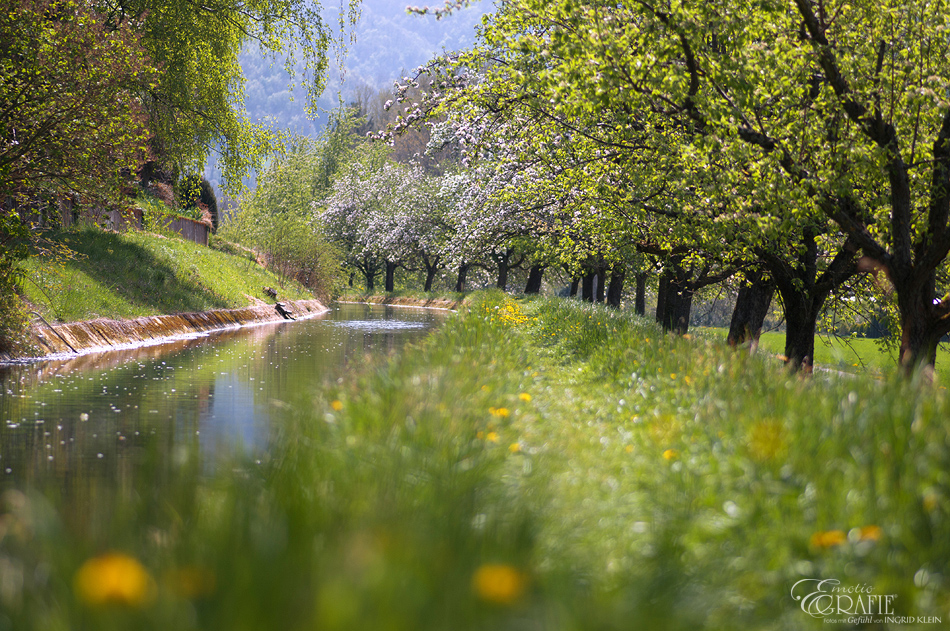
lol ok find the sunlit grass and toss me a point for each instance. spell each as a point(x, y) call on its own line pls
point(850, 354)
point(137, 274)
point(531, 465)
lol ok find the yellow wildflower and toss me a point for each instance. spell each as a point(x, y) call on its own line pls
point(499, 584)
point(671, 454)
point(492, 437)
point(336, 405)
point(514, 448)
point(870, 533)
point(503, 412)
point(114, 579)
point(524, 396)
point(828, 538)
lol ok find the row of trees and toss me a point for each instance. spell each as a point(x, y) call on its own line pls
point(803, 144)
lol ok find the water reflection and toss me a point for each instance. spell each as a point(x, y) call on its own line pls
point(98, 415)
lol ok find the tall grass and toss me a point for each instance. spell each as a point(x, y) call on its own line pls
point(532, 465)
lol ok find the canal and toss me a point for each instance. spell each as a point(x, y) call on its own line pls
point(98, 418)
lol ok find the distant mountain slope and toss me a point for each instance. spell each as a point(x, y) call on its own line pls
point(388, 42)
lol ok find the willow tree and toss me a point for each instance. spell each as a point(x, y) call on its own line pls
point(71, 118)
point(196, 105)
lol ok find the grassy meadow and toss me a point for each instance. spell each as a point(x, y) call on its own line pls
point(532, 465)
point(89, 273)
point(848, 354)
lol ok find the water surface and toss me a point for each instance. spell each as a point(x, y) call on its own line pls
point(102, 415)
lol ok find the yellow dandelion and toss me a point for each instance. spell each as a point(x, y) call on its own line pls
point(828, 538)
point(870, 533)
point(492, 437)
point(114, 579)
point(502, 412)
point(671, 454)
point(336, 404)
point(499, 584)
point(514, 447)
point(628, 449)
point(687, 380)
point(672, 375)
point(524, 396)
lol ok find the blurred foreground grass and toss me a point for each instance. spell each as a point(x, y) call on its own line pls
point(540, 465)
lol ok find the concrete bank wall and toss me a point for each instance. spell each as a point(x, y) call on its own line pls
point(103, 334)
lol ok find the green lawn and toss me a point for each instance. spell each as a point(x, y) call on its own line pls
point(135, 274)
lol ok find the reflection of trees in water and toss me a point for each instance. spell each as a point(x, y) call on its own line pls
point(150, 409)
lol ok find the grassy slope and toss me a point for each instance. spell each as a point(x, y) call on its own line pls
point(138, 273)
point(538, 465)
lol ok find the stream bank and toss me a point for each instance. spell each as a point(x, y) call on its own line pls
point(106, 334)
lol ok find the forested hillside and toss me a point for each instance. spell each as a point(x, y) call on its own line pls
point(388, 42)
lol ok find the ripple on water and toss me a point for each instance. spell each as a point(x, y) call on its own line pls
point(380, 325)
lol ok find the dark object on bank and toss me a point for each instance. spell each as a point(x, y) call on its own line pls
point(282, 310)
point(270, 291)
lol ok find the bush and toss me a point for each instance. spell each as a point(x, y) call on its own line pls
point(14, 322)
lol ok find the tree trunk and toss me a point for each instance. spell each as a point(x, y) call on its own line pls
point(370, 279)
point(640, 302)
point(599, 283)
point(752, 305)
point(615, 289)
point(390, 277)
point(574, 283)
point(430, 275)
point(679, 304)
point(587, 287)
point(919, 327)
point(502, 282)
point(463, 272)
point(535, 274)
point(801, 319)
point(661, 291)
point(804, 291)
